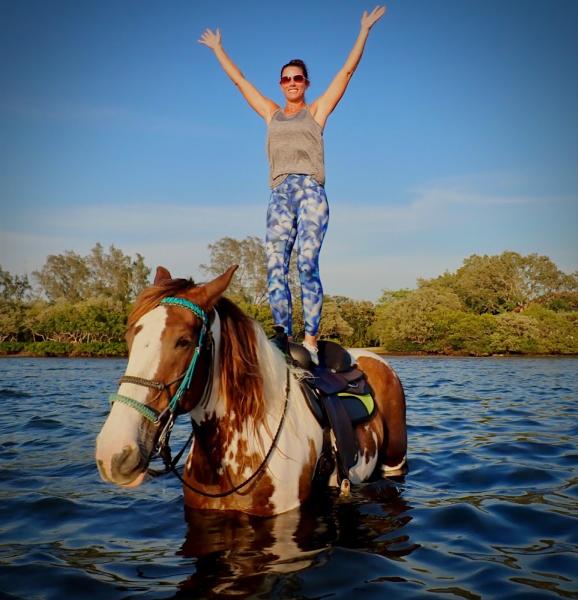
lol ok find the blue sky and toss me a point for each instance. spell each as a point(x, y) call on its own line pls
point(458, 133)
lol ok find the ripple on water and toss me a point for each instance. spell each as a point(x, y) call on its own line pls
point(537, 522)
point(504, 476)
point(43, 423)
point(488, 509)
point(13, 394)
point(528, 450)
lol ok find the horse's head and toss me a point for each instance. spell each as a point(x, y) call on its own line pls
point(167, 372)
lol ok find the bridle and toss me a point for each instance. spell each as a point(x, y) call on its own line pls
point(162, 447)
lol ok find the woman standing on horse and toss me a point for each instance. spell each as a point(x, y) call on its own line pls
point(298, 206)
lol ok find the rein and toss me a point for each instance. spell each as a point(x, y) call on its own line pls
point(162, 447)
point(259, 469)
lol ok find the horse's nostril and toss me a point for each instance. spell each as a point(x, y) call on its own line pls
point(125, 463)
point(102, 470)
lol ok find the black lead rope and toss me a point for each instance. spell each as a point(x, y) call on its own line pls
point(171, 465)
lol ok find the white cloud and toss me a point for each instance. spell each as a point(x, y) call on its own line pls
point(369, 247)
point(154, 220)
point(429, 207)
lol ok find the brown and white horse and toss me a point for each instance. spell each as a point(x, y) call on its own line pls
point(256, 442)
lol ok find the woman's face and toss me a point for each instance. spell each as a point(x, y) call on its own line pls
point(293, 90)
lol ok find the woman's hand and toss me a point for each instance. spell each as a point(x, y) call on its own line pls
point(369, 20)
point(261, 104)
point(210, 38)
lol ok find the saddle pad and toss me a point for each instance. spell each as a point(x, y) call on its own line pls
point(359, 407)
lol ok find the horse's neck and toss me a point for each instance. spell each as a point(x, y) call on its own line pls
point(212, 413)
point(281, 449)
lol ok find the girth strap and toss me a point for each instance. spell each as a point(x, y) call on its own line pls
point(345, 438)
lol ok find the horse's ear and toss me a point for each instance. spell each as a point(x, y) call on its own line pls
point(161, 275)
point(216, 288)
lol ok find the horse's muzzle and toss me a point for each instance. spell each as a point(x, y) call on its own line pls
point(127, 468)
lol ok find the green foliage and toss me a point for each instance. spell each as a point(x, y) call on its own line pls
point(416, 321)
point(503, 283)
point(64, 276)
point(11, 321)
point(515, 334)
point(506, 304)
point(560, 301)
point(359, 315)
point(98, 349)
point(12, 347)
point(557, 330)
point(489, 306)
point(49, 348)
point(111, 275)
point(15, 291)
point(389, 296)
point(94, 320)
point(116, 275)
point(333, 325)
point(250, 281)
point(469, 333)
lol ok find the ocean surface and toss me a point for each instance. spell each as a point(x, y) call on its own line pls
point(489, 508)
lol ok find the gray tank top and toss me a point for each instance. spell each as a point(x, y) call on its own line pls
point(295, 145)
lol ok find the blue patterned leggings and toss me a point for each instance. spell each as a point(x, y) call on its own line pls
point(298, 209)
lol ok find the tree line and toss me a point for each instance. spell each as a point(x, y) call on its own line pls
point(501, 304)
point(74, 305)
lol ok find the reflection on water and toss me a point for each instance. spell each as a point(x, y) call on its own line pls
point(488, 509)
point(242, 555)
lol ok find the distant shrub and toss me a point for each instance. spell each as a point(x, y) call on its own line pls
point(103, 349)
point(99, 349)
point(48, 348)
point(11, 347)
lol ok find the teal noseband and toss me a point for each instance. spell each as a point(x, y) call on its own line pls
point(146, 411)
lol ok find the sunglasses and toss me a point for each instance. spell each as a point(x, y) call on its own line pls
point(296, 78)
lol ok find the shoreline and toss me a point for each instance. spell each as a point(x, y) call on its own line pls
point(376, 350)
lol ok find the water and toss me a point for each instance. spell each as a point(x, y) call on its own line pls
point(488, 510)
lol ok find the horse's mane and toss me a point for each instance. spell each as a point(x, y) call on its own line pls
point(241, 382)
point(241, 379)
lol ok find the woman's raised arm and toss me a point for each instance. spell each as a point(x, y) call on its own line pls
point(264, 106)
point(324, 105)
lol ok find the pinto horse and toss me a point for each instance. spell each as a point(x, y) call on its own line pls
point(256, 442)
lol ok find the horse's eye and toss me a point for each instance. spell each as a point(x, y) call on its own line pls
point(184, 342)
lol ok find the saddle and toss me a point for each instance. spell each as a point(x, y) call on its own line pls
point(336, 392)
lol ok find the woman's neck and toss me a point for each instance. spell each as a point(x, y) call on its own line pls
point(294, 107)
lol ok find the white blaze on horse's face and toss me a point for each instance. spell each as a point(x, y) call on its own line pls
point(122, 447)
